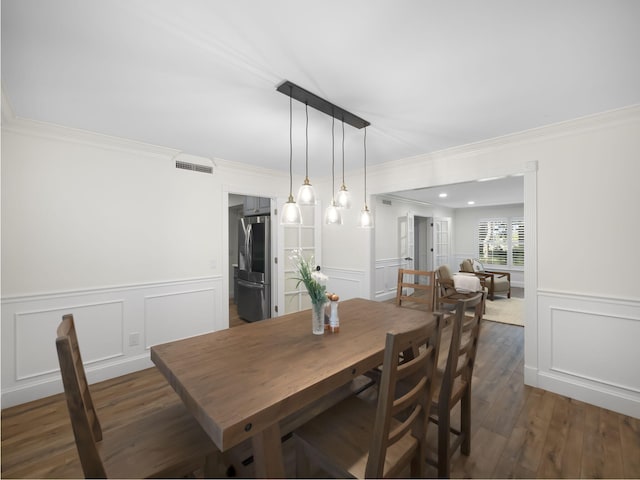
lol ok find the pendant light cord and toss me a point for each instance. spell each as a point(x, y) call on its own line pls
point(342, 151)
point(333, 158)
point(290, 143)
point(365, 166)
point(306, 136)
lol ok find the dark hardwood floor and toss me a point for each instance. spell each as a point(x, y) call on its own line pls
point(518, 431)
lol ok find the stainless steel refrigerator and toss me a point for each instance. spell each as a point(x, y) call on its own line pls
point(254, 268)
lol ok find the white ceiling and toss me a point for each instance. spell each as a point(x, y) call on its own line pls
point(484, 193)
point(201, 76)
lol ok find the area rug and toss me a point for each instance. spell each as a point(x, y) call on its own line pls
point(506, 310)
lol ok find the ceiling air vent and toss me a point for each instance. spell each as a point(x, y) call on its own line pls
point(386, 202)
point(195, 164)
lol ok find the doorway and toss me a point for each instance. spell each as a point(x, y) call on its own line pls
point(423, 234)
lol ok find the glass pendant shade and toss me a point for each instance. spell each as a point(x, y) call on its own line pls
point(291, 214)
point(343, 198)
point(366, 219)
point(306, 194)
point(332, 215)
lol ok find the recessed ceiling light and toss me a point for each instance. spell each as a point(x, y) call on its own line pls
point(471, 202)
point(442, 195)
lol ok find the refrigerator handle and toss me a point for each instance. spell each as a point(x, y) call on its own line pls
point(249, 248)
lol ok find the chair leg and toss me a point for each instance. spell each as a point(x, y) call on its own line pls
point(444, 461)
point(417, 465)
point(465, 422)
point(303, 467)
point(214, 466)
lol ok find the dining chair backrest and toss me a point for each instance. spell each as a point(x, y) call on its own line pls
point(463, 347)
point(422, 282)
point(404, 396)
point(454, 383)
point(84, 420)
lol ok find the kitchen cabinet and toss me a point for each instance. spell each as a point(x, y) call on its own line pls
point(256, 206)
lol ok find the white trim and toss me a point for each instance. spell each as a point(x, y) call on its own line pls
point(531, 333)
point(599, 369)
point(107, 289)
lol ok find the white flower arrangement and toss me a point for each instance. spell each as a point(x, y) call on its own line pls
point(309, 274)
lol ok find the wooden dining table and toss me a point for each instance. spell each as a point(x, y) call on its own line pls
point(239, 383)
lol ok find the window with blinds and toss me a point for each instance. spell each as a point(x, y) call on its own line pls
point(501, 242)
point(517, 242)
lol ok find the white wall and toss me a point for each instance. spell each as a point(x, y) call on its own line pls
point(78, 215)
point(109, 230)
point(580, 199)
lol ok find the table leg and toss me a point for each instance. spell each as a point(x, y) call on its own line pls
point(267, 453)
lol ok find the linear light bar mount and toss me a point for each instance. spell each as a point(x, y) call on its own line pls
point(298, 93)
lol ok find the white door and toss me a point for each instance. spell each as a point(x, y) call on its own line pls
point(441, 241)
point(406, 245)
point(306, 238)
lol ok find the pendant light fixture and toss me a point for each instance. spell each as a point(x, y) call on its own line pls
point(366, 219)
point(306, 194)
point(291, 211)
point(343, 197)
point(332, 215)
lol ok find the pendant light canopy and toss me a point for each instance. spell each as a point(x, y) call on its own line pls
point(366, 219)
point(343, 197)
point(332, 215)
point(306, 193)
point(291, 211)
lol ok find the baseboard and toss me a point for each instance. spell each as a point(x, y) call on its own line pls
point(619, 401)
point(42, 388)
point(530, 376)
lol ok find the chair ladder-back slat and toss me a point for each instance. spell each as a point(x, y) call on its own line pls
point(455, 386)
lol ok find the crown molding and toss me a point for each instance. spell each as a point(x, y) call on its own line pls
point(566, 128)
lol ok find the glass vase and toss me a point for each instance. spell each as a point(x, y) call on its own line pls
point(317, 318)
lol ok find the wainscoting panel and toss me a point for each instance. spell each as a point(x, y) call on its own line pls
point(345, 283)
point(115, 325)
point(588, 349)
point(178, 315)
point(99, 327)
point(387, 277)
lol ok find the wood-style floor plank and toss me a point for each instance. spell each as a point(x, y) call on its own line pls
point(630, 445)
point(517, 431)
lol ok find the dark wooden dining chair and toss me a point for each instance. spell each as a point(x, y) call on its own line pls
point(422, 282)
point(167, 443)
point(453, 386)
point(359, 439)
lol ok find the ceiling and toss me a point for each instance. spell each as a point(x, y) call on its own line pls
point(483, 193)
point(200, 76)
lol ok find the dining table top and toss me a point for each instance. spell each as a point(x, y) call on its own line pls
point(240, 381)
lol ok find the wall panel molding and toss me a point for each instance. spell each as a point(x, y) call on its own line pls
point(587, 349)
point(346, 283)
point(116, 327)
point(100, 331)
point(386, 279)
